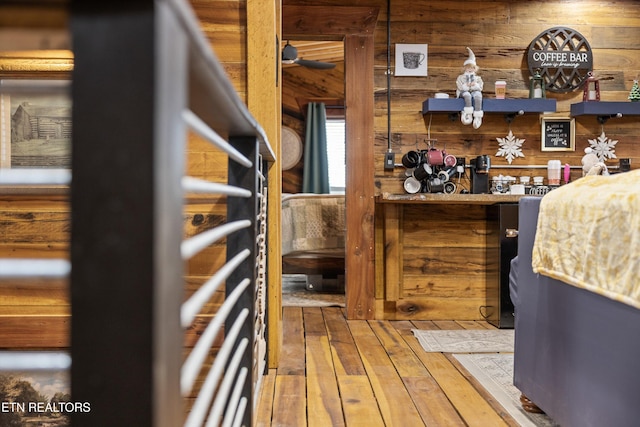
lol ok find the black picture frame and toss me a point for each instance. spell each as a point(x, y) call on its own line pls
point(558, 134)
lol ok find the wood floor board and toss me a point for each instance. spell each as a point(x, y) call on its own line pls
point(395, 403)
point(473, 324)
point(427, 325)
point(265, 400)
point(352, 373)
point(324, 407)
point(431, 402)
point(485, 394)
point(398, 351)
point(313, 322)
point(345, 354)
point(471, 406)
point(448, 324)
point(359, 402)
point(292, 355)
point(289, 401)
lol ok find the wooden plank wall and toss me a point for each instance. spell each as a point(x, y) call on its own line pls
point(499, 33)
point(433, 257)
point(37, 315)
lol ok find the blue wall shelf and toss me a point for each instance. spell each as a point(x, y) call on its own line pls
point(509, 107)
point(605, 108)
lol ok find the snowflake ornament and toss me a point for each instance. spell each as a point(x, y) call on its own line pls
point(603, 147)
point(510, 147)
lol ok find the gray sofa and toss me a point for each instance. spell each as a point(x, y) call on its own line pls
point(577, 354)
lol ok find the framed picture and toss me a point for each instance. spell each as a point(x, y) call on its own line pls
point(411, 60)
point(52, 388)
point(558, 134)
point(35, 124)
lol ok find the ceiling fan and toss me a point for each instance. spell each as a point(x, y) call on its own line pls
point(290, 56)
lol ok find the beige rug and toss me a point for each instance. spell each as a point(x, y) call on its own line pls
point(495, 373)
point(466, 340)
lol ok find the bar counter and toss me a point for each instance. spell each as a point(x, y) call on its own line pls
point(437, 254)
point(435, 198)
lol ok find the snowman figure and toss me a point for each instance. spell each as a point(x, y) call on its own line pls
point(469, 87)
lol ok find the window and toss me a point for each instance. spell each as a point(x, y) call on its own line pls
point(336, 154)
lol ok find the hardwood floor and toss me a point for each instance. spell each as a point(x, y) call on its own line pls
point(338, 372)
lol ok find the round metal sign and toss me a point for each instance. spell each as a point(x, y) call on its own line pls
point(563, 57)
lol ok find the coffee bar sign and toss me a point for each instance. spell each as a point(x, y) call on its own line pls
point(564, 58)
point(560, 59)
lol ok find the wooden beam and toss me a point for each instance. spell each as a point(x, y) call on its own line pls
point(359, 255)
point(264, 99)
point(327, 22)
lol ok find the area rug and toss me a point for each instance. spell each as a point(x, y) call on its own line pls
point(495, 373)
point(296, 294)
point(466, 340)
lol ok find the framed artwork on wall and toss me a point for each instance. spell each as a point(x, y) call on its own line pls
point(558, 134)
point(35, 123)
point(411, 60)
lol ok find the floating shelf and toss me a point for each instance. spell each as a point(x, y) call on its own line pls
point(605, 108)
point(442, 105)
point(537, 105)
point(504, 106)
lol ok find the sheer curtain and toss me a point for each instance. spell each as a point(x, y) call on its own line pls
point(315, 178)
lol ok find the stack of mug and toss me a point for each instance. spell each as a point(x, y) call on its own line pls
point(429, 171)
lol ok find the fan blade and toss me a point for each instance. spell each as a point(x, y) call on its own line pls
point(315, 64)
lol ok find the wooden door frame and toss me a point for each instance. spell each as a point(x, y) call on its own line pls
point(354, 25)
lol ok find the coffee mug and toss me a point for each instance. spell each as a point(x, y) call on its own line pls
point(449, 187)
point(412, 185)
point(435, 185)
point(421, 172)
point(411, 159)
point(435, 157)
point(450, 160)
point(412, 60)
point(517, 188)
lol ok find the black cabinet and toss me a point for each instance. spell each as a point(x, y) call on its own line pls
point(502, 247)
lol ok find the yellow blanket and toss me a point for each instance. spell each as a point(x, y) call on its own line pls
point(588, 235)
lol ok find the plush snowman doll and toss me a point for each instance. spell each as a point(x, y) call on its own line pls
point(591, 164)
point(469, 87)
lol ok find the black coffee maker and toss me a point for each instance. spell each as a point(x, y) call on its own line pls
point(480, 174)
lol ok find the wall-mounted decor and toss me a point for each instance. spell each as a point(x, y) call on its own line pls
point(291, 148)
point(510, 147)
point(411, 60)
point(563, 56)
point(41, 398)
point(558, 134)
point(35, 124)
point(603, 147)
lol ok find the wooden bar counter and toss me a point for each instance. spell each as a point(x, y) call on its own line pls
point(435, 254)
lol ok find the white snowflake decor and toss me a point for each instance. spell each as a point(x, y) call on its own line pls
point(510, 147)
point(603, 147)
